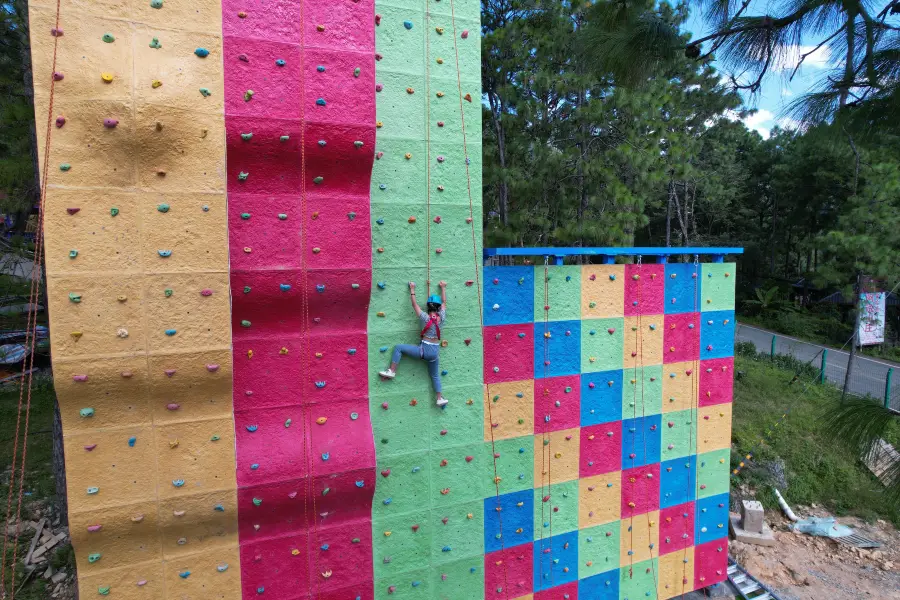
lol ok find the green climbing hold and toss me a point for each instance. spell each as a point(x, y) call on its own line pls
point(246, 289)
point(163, 208)
point(245, 216)
point(355, 540)
point(322, 143)
point(86, 412)
point(257, 501)
point(248, 95)
point(214, 438)
point(154, 43)
point(521, 421)
point(243, 175)
point(318, 180)
point(325, 491)
point(113, 211)
point(103, 590)
point(247, 136)
point(282, 216)
point(76, 298)
point(108, 38)
point(287, 423)
point(73, 253)
point(384, 440)
point(168, 292)
point(205, 92)
point(354, 416)
point(284, 138)
point(351, 215)
point(156, 3)
point(358, 144)
point(355, 286)
point(94, 557)
point(245, 323)
point(356, 72)
point(65, 167)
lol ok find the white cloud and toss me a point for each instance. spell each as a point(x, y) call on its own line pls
point(786, 93)
point(789, 124)
point(761, 121)
point(791, 55)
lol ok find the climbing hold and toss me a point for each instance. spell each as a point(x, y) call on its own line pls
point(108, 38)
point(243, 175)
point(248, 95)
point(205, 92)
point(201, 52)
point(57, 76)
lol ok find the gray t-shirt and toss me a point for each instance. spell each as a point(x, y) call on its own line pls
point(432, 330)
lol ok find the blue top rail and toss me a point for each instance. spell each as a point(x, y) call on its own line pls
point(609, 254)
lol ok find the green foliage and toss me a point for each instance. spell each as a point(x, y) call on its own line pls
point(18, 182)
point(816, 470)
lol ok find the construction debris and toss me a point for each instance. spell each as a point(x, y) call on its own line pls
point(750, 527)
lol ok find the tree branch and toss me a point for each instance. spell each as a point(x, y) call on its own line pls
point(802, 58)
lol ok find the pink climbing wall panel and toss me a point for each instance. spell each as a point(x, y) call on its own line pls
point(300, 121)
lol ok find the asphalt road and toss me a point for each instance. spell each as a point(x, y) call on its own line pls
point(868, 376)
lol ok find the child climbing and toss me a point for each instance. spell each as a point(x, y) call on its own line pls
point(429, 348)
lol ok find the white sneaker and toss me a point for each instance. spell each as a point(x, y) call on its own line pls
point(442, 402)
point(389, 374)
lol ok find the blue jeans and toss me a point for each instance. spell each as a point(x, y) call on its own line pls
point(427, 352)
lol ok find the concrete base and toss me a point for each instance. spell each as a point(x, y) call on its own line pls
point(749, 537)
point(720, 590)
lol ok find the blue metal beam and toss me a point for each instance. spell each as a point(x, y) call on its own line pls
point(718, 254)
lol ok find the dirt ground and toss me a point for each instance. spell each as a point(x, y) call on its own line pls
point(803, 567)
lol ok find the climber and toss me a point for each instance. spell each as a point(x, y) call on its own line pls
point(429, 348)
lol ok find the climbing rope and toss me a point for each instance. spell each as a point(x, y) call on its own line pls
point(639, 356)
point(30, 342)
point(546, 449)
point(694, 418)
point(478, 290)
point(427, 153)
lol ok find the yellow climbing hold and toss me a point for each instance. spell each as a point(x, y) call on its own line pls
point(121, 298)
point(469, 516)
point(319, 355)
point(283, 350)
point(107, 77)
point(294, 552)
point(408, 156)
point(76, 335)
point(156, 83)
point(440, 61)
point(387, 534)
point(248, 249)
point(322, 420)
point(249, 353)
point(173, 444)
point(379, 124)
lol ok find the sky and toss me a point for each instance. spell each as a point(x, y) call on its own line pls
point(776, 91)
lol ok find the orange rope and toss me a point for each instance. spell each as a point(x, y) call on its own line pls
point(694, 417)
point(30, 341)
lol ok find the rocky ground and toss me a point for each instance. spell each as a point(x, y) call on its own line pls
point(43, 554)
point(803, 567)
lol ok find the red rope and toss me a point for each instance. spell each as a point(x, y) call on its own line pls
point(694, 417)
point(30, 341)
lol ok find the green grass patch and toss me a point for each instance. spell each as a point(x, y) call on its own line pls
point(796, 456)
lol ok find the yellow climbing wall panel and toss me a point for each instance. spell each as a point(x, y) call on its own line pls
point(137, 277)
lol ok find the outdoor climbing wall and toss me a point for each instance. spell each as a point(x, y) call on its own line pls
point(300, 122)
point(138, 291)
point(434, 468)
point(608, 406)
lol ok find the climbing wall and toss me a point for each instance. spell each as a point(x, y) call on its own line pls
point(434, 468)
point(137, 279)
point(300, 128)
point(608, 408)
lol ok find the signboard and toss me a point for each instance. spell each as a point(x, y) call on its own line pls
point(871, 318)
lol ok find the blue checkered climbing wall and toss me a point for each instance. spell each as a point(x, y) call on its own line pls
point(608, 410)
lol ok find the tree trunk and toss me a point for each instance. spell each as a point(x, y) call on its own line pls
point(772, 234)
point(669, 215)
point(854, 340)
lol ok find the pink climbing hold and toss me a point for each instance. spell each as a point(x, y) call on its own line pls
point(212, 368)
point(56, 32)
point(206, 292)
point(173, 406)
point(90, 447)
point(469, 458)
point(243, 57)
point(378, 19)
point(110, 123)
point(378, 56)
point(60, 121)
point(465, 34)
point(437, 219)
point(169, 372)
point(378, 87)
point(79, 378)
point(386, 472)
point(443, 432)
point(384, 405)
point(72, 211)
point(709, 347)
point(591, 385)
point(57, 76)
point(93, 528)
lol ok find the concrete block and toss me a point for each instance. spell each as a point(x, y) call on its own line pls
point(752, 516)
point(764, 538)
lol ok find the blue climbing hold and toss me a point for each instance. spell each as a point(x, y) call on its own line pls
point(320, 384)
point(252, 428)
point(320, 68)
point(280, 62)
point(184, 574)
point(326, 456)
point(254, 466)
point(521, 450)
point(201, 52)
point(408, 24)
point(471, 569)
point(324, 546)
point(284, 287)
point(383, 349)
point(387, 501)
point(132, 441)
point(380, 221)
point(359, 484)
point(381, 285)
point(382, 186)
point(351, 351)
point(416, 469)
point(416, 583)
point(445, 549)
point(320, 288)
point(219, 508)
point(164, 253)
point(320, 101)
point(444, 372)
point(171, 332)
point(178, 482)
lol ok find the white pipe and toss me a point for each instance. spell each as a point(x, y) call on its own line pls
point(784, 506)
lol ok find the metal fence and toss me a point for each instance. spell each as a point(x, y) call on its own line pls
point(870, 377)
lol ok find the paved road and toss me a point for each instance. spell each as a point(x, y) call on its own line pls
point(868, 376)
